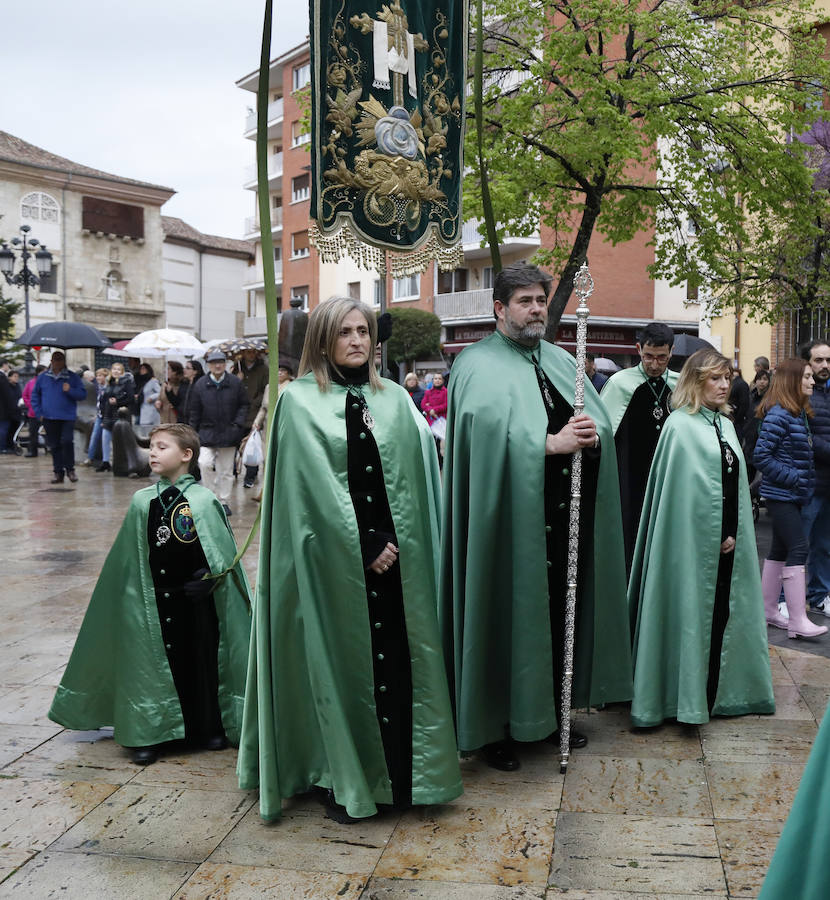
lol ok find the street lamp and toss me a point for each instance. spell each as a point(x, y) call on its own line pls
point(25, 277)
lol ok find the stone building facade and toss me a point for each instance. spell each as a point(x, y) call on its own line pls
point(104, 232)
point(203, 277)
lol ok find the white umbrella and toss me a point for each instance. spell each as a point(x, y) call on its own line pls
point(606, 366)
point(160, 342)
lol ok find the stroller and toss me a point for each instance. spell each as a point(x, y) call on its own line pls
point(20, 441)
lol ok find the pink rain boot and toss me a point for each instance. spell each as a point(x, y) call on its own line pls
point(771, 590)
point(795, 593)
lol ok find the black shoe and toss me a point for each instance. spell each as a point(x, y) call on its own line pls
point(334, 810)
point(104, 467)
point(31, 456)
point(227, 509)
point(500, 755)
point(70, 474)
point(58, 479)
point(144, 756)
point(247, 484)
point(577, 740)
point(217, 742)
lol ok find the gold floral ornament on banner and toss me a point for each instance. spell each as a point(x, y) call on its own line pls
point(387, 133)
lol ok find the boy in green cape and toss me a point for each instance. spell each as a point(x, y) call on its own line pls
point(162, 651)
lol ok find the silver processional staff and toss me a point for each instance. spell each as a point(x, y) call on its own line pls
point(583, 288)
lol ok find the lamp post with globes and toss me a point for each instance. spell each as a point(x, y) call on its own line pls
point(25, 277)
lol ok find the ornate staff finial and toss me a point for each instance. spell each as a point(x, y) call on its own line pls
point(583, 283)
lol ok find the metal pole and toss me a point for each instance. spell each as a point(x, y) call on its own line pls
point(583, 288)
point(25, 273)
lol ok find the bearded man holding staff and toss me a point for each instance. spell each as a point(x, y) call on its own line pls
point(507, 474)
point(346, 689)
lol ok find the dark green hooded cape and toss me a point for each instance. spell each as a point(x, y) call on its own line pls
point(310, 713)
point(118, 673)
point(673, 580)
point(493, 608)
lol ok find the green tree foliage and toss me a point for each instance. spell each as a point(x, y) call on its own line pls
point(416, 333)
point(614, 116)
point(8, 310)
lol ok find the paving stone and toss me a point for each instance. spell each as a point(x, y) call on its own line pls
point(82, 876)
point(306, 840)
point(816, 699)
point(77, 756)
point(780, 673)
point(757, 740)
point(205, 770)
point(609, 733)
point(223, 882)
point(662, 854)
point(15, 740)
point(656, 787)
point(26, 665)
point(477, 845)
point(536, 784)
point(33, 812)
point(788, 704)
point(11, 860)
point(401, 889)
point(808, 669)
point(569, 894)
point(158, 823)
point(746, 848)
point(43, 586)
point(757, 791)
point(27, 704)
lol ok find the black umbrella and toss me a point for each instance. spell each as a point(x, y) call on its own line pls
point(67, 335)
point(687, 344)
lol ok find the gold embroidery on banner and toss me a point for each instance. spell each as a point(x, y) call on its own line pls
point(399, 157)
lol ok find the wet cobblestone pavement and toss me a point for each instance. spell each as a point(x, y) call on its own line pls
point(676, 813)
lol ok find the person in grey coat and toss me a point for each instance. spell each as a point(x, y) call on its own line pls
point(218, 410)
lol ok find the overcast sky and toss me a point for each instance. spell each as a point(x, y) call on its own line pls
point(144, 90)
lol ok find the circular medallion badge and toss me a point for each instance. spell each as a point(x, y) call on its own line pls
point(181, 518)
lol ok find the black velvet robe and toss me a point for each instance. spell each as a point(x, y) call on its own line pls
point(189, 628)
point(636, 440)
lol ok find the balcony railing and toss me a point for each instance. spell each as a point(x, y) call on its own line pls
point(464, 304)
point(256, 278)
point(470, 233)
point(275, 111)
point(274, 168)
point(252, 222)
point(473, 233)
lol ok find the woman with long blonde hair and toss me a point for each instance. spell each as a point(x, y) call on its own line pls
point(700, 644)
point(347, 692)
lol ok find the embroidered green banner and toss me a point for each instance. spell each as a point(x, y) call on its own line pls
point(387, 131)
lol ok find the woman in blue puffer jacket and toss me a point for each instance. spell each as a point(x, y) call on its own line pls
point(784, 456)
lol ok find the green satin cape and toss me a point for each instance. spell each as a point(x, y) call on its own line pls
point(493, 607)
point(310, 715)
point(118, 673)
point(673, 579)
point(617, 391)
point(798, 870)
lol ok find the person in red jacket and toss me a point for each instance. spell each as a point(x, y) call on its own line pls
point(434, 408)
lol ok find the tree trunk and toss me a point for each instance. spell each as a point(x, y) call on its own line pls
point(579, 255)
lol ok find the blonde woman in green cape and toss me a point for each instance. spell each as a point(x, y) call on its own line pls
point(700, 644)
point(346, 691)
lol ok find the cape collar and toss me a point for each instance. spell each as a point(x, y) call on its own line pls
point(347, 375)
point(525, 351)
point(182, 482)
point(663, 377)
